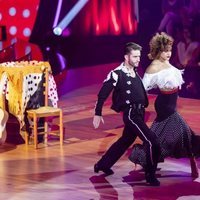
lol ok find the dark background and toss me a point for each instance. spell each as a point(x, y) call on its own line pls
point(79, 49)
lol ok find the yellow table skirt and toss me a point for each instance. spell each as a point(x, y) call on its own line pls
point(15, 73)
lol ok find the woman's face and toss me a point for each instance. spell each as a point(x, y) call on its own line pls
point(166, 55)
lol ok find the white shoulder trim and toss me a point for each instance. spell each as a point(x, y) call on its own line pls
point(114, 75)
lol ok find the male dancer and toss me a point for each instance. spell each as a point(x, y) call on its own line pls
point(130, 98)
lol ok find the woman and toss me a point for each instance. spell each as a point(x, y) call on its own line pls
point(173, 133)
point(171, 16)
point(188, 51)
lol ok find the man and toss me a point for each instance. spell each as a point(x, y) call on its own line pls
point(129, 97)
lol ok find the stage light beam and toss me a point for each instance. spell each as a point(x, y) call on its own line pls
point(69, 17)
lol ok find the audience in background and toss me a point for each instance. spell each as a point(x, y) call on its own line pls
point(187, 58)
point(171, 16)
point(187, 49)
point(181, 20)
point(194, 8)
point(193, 13)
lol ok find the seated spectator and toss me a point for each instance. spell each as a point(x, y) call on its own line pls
point(190, 13)
point(187, 49)
point(194, 15)
point(171, 16)
point(187, 57)
point(194, 8)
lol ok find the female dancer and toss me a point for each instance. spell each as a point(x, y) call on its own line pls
point(173, 133)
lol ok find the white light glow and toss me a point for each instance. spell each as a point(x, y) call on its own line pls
point(57, 31)
point(59, 6)
point(69, 17)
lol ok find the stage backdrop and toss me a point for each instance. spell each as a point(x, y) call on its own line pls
point(18, 16)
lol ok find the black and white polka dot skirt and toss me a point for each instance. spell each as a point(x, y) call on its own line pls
point(176, 139)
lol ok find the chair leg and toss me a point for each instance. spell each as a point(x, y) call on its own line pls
point(35, 128)
point(61, 128)
point(46, 131)
point(26, 137)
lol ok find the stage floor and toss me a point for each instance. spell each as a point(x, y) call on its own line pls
point(67, 173)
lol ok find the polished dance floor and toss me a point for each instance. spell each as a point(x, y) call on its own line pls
point(54, 173)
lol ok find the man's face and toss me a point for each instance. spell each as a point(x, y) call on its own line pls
point(133, 58)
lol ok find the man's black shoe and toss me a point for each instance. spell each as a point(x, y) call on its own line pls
point(105, 171)
point(152, 180)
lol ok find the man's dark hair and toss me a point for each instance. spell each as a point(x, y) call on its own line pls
point(131, 46)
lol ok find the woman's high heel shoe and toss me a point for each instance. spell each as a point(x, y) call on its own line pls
point(194, 168)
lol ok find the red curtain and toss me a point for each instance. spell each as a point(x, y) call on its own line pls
point(109, 17)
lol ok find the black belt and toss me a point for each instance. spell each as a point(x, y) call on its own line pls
point(137, 106)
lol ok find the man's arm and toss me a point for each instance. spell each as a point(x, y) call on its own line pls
point(104, 92)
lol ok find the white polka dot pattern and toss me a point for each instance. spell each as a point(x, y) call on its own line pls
point(19, 17)
point(175, 138)
point(30, 86)
point(52, 94)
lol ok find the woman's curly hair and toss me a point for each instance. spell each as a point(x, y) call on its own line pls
point(159, 43)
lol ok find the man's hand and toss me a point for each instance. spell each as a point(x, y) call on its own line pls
point(96, 121)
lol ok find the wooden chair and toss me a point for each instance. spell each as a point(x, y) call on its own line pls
point(45, 112)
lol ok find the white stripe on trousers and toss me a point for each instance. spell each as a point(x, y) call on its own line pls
point(142, 134)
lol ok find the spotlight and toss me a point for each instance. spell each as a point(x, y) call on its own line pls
point(69, 17)
point(57, 31)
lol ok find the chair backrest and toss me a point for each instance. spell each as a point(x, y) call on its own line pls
point(46, 85)
point(8, 54)
point(40, 97)
point(3, 81)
